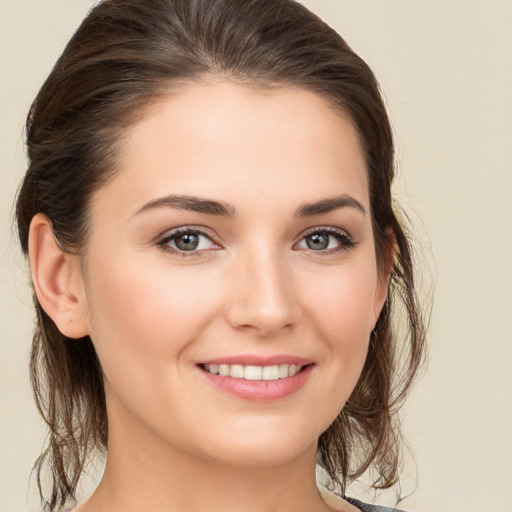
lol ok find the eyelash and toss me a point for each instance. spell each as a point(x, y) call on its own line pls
point(344, 239)
point(346, 242)
point(163, 243)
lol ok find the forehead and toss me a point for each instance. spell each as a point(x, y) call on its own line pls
point(240, 145)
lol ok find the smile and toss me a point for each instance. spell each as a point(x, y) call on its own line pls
point(251, 372)
point(268, 382)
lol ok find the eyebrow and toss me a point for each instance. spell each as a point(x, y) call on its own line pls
point(220, 208)
point(190, 203)
point(329, 205)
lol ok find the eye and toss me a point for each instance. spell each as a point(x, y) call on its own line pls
point(329, 240)
point(187, 240)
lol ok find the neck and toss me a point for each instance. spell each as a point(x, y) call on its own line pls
point(144, 473)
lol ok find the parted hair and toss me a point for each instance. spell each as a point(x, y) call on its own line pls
point(126, 55)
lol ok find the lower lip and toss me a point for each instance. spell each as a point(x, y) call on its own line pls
point(260, 390)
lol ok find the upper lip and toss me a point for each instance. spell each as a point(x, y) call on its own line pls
point(259, 360)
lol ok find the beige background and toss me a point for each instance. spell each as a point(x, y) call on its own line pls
point(446, 71)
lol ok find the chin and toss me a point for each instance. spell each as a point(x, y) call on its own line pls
point(262, 447)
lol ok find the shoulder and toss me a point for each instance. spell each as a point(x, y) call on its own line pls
point(365, 507)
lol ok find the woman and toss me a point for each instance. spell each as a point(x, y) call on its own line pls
point(215, 258)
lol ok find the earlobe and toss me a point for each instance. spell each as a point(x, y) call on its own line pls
point(57, 279)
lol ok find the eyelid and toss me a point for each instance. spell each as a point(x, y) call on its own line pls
point(164, 239)
point(346, 241)
point(325, 229)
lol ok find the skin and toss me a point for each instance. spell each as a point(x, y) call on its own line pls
point(253, 286)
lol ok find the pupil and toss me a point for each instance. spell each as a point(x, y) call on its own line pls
point(187, 242)
point(318, 241)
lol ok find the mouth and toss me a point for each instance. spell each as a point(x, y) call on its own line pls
point(269, 382)
point(253, 372)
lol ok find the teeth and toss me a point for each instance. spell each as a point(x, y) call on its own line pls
point(236, 371)
point(284, 371)
point(250, 372)
point(270, 373)
point(293, 370)
point(253, 372)
point(213, 368)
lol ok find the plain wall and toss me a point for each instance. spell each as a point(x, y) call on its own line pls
point(445, 67)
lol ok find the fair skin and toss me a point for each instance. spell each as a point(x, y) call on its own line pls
point(276, 272)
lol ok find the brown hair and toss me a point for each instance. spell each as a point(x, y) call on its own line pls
point(124, 56)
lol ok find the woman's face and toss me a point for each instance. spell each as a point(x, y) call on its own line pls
point(235, 239)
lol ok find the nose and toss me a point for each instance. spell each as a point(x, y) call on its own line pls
point(263, 298)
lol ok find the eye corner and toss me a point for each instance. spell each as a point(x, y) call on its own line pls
point(196, 242)
point(330, 240)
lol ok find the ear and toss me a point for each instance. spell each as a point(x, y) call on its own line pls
point(57, 279)
point(384, 271)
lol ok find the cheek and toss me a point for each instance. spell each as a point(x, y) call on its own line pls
point(140, 312)
point(144, 320)
point(345, 305)
point(344, 316)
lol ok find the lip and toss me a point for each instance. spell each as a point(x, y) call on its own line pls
point(258, 360)
point(259, 390)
